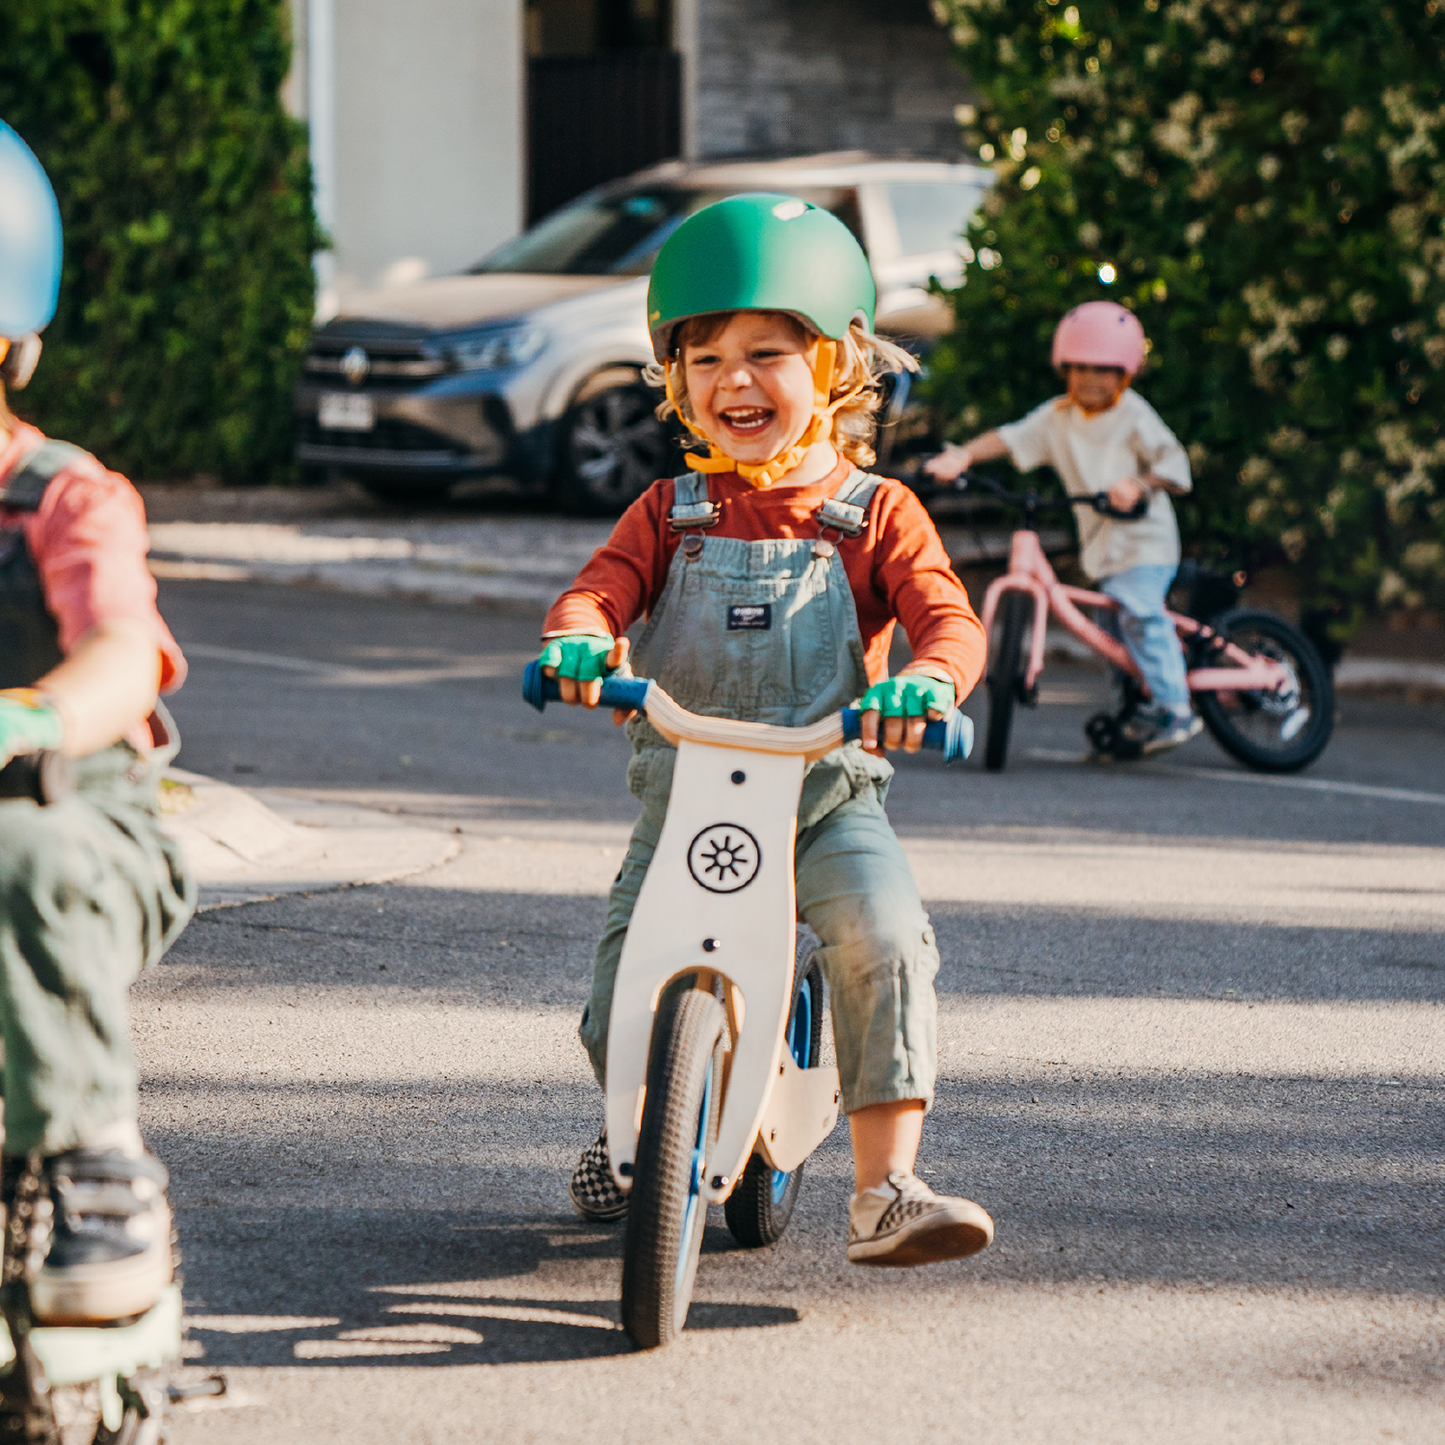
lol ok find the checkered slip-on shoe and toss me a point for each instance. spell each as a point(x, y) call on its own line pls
point(905, 1223)
point(594, 1191)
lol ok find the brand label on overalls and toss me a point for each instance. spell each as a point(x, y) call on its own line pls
point(758, 617)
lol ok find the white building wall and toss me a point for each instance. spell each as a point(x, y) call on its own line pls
point(429, 144)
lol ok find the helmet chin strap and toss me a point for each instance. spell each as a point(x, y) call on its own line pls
point(819, 429)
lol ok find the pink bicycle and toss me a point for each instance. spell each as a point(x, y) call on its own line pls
point(1259, 684)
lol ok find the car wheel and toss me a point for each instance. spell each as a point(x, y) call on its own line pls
point(612, 447)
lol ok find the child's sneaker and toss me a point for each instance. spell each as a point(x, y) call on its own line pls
point(594, 1191)
point(110, 1238)
point(904, 1222)
point(1157, 731)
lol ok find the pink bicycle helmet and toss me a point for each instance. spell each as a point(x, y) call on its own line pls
point(1100, 333)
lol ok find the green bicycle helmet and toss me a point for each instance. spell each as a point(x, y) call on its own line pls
point(760, 251)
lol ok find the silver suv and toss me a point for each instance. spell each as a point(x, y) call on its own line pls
point(530, 364)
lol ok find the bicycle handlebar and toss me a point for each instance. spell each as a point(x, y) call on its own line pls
point(952, 736)
point(1033, 502)
point(44, 777)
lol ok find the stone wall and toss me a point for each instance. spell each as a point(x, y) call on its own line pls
point(792, 76)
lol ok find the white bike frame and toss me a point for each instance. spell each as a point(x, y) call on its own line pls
point(725, 913)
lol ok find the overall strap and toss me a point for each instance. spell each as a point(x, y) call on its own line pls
point(846, 511)
point(27, 483)
point(692, 506)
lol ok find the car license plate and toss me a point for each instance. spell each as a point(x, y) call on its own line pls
point(346, 411)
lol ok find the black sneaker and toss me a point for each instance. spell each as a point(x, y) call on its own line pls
point(110, 1238)
point(594, 1191)
point(1157, 731)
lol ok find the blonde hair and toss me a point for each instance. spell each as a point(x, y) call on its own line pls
point(863, 359)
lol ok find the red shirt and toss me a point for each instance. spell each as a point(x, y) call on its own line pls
point(88, 542)
point(897, 567)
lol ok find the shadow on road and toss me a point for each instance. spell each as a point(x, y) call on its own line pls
point(408, 1287)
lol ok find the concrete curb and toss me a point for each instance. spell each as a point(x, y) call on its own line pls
point(1417, 680)
point(520, 564)
point(248, 847)
point(419, 584)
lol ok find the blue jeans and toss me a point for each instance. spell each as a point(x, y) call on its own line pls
point(1148, 633)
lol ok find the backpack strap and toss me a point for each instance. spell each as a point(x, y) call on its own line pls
point(26, 485)
point(692, 506)
point(846, 511)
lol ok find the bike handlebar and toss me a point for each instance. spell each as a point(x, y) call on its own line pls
point(952, 736)
point(44, 777)
point(1033, 502)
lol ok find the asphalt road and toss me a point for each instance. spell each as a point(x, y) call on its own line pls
point(1192, 1061)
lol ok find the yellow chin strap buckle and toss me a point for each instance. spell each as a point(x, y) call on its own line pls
point(819, 429)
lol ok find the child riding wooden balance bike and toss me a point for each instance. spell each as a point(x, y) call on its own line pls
point(715, 1089)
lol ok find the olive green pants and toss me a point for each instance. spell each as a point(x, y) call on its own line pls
point(91, 891)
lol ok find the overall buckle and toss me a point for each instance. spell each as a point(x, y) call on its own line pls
point(841, 517)
point(689, 516)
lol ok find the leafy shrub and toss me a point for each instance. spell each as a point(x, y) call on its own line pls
point(1264, 184)
point(185, 190)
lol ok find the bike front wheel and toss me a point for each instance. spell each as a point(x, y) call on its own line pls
point(1006, 676)
point(1278, 732)
point(667, 1212)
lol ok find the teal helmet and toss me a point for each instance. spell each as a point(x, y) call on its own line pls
point(29, 240)
point(760, 252)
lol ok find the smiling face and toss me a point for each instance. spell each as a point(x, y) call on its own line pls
point(750, 386)
point(1094, 388)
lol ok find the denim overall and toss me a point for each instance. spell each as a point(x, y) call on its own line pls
point(91, 889)
point(768, 632)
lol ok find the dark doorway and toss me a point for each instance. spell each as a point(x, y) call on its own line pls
point(604, 95)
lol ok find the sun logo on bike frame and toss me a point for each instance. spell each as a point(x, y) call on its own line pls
point(724, 858)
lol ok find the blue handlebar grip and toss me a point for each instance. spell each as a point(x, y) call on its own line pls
point(952, 736)
point(625, 692)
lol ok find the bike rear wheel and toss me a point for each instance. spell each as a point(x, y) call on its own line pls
point(666, 1213)
point(1272, 732)
point(1006, 676)
point(760, 1208)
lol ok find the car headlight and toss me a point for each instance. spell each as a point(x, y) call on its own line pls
point(495, 350)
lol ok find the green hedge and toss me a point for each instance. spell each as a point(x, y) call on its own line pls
point(1267, 183)
point(185, 189)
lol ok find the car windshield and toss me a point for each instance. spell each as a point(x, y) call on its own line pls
point(932, 216)
point(619, 234)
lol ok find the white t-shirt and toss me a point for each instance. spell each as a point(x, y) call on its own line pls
point(1090, 454)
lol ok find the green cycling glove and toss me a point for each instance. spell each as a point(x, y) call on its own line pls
point(911, 694)
point(28, 724)
point(579, 655)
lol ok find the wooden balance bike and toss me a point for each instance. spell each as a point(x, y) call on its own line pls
point(716, 1093)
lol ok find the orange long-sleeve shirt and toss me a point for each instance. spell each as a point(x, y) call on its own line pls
point(897, 567)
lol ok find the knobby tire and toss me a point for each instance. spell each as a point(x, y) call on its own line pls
point(1227, 725)
point(1006, 677)
point(656, 1279)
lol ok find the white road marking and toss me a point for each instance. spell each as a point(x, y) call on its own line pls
point(260, 659)
point(336, 674)
point(1266, 780)
point(1309, 785)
